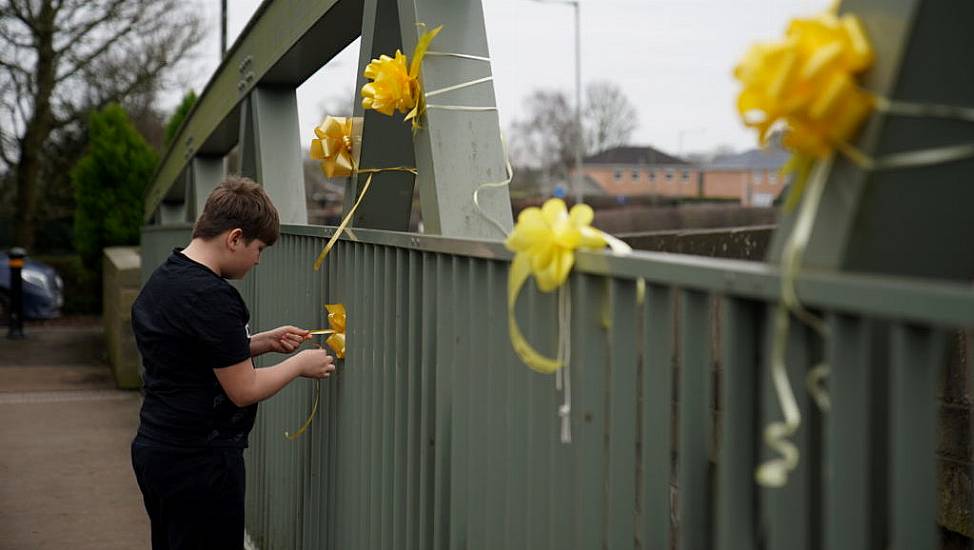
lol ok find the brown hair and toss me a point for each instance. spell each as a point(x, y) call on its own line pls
point(239, 202)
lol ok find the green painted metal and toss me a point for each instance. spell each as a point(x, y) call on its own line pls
point(158, 243)
point(655, 444)
point(794, 510)
point(737, 520)
point(695, 410)
point(434, 435)
point(916, 353)
point(458, 150)
point(284, 43)
point(854, 459)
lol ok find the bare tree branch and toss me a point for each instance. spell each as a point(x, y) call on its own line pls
point(65, 58)
point(83, 62)
point(110, 14)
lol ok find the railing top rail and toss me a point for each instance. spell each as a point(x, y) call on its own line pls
point(284, 43)
point(940, 303)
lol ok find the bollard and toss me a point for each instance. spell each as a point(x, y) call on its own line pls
point(15, 329)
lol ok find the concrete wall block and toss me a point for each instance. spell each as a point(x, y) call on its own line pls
point(122, 278)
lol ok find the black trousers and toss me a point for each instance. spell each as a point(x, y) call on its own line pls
point(194, 496)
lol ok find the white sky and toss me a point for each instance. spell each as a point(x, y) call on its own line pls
point(673, 58)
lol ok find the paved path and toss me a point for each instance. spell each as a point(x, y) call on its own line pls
point(65, 476)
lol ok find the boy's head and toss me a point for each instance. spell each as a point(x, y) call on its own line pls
point(242, 216)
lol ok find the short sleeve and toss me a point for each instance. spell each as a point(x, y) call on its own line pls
point(218, 320)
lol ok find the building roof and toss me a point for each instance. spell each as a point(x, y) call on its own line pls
point(769, 158)
point(633, 155)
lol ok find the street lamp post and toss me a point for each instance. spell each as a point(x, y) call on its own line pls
point(579, 138)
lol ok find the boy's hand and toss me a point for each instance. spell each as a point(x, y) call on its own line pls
point(316, 363)
point(285, 339)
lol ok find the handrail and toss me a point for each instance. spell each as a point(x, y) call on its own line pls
point(939, 303)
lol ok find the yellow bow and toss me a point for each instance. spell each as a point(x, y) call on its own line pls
point(808, 82)
point(334, 147)
point(544, 242)
point(336, 320)
point(336, 330)
point(336, 341)
point(393, 87)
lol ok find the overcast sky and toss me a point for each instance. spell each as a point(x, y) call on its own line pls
point(673, 58)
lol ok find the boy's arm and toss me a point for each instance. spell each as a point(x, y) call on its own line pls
point(283, 339)
point(246, 385)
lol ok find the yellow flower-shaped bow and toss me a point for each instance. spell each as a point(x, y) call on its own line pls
point(335, 330)
point(333, 147)
point(544, 242)
point(394, 87)
point(808, 82)
point(336, 320)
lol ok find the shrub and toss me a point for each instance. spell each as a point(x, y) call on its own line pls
point(109, 182)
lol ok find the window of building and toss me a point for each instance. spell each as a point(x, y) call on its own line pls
point(669, 174)
point(652, 175)
point(772, 177)
point(757, 176)
point(635, 174)
point(686, 176)
point(617, 174)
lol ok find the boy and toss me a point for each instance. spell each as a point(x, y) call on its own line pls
point(201, 389)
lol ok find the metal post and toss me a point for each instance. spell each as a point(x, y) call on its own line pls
point(15, 330)
point(223, 28)
point(580, 138)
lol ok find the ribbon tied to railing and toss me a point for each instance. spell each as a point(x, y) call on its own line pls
point(807, 85)
point(334, 147)
point(544, 242)
point(336, 341)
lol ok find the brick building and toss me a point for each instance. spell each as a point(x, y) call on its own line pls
point(753, 177)
point(644, 170)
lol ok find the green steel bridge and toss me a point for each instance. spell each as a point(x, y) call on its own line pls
point(435, 435)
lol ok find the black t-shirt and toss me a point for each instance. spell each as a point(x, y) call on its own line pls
point(188, 321)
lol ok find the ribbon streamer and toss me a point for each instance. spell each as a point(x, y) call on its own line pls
point(774, 473)
point(311, 415)
point(348, 216)
point(335, 340)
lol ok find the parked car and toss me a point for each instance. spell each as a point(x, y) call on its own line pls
point(43, 290)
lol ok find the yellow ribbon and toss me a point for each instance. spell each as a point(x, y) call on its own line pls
point(336, 322)
point(807, 82)
point(396, 88)
point(348, 216)
point(544, 241)
point(333, 147)
point(336, 341)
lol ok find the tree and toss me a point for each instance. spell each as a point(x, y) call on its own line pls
point(547, 136)
point(608, 117)
point(62, 59)
point(179, 115)
point(109, 182)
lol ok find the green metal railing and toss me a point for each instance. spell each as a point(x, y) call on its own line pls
point(434, 435)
